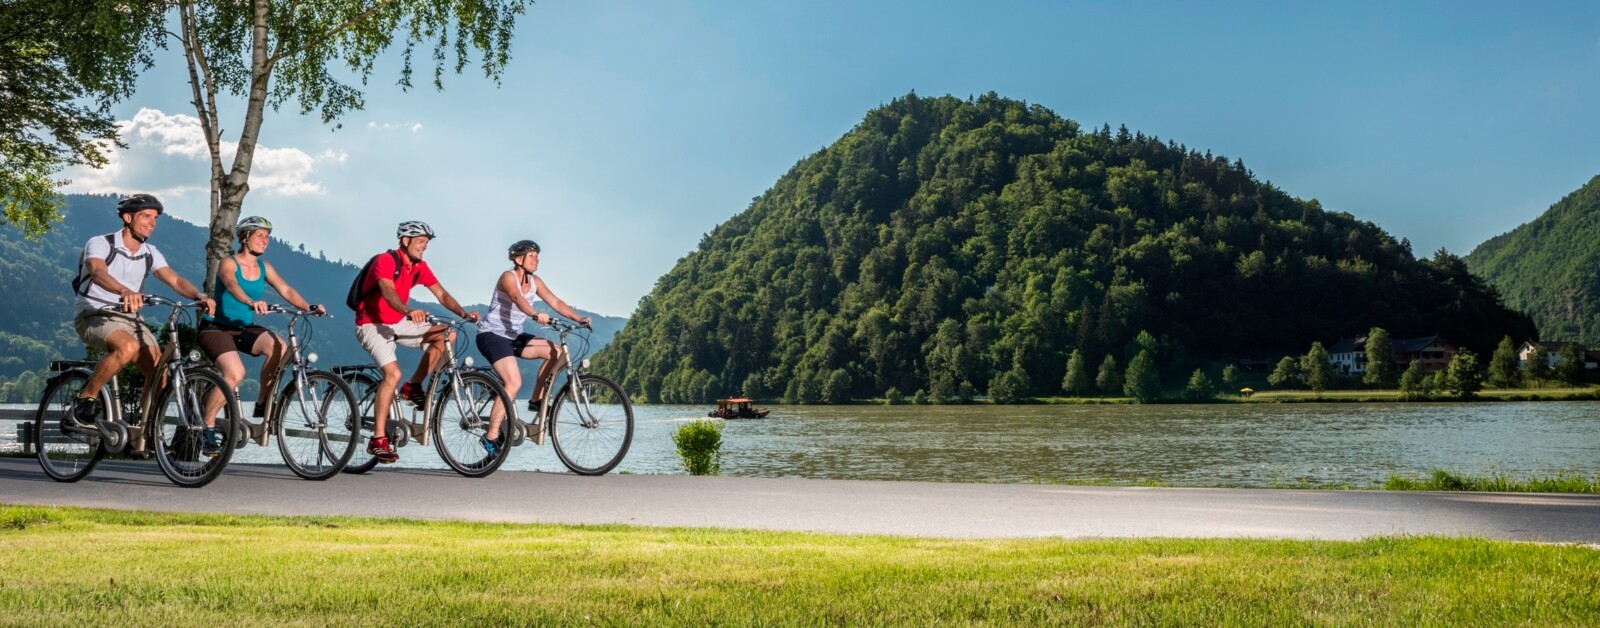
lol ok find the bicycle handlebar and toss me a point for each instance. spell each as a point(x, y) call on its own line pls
point(562, 325)
point(281, 309)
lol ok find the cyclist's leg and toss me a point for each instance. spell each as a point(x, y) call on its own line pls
point(432, 345)
point(267, 343)
point(219, 345)
point(500, 353)
point(379, 342)
point(541, 350)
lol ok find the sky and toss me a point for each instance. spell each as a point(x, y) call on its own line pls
point(622, 132)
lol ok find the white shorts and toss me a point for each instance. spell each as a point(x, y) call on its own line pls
point(379, 339)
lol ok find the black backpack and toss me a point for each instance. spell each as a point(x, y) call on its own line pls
point(81, 283)
point(356, 295)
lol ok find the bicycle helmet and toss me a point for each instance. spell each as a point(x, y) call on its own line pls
point(521, 248)
point(251, 223)
point(138, 202)
point(414, 228)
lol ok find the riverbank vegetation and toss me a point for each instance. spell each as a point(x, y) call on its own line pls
point(145, 569)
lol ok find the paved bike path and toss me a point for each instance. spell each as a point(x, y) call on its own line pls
point(838, 506)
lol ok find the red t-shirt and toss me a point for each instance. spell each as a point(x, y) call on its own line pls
point(375, 308)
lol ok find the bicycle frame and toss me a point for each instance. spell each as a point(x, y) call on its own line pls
point(446, 372)
point(573, 371)
point(296, 363)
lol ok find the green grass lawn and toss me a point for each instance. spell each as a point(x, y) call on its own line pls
point(75, 567)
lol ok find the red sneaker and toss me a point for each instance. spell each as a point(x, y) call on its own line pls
point(412, 393)
point(380, 449)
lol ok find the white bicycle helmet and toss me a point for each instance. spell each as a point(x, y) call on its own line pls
point(251, 223)
point(414, 228)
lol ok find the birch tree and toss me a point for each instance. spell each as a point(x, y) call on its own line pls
point(317, 56)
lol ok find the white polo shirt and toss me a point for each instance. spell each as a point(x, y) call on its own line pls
point(126, 266)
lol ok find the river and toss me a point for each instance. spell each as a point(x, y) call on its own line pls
point(1243, 445)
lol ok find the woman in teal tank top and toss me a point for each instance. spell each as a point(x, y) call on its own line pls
point(233, 329)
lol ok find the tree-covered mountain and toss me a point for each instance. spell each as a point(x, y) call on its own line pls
point(1550, 267)
point(36, 276)
point(944, 242)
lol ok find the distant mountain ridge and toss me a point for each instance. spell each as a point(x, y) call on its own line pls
point(948, 245)
point(36, 318)
point(1550, 267)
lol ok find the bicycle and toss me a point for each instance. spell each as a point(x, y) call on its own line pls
point(591, 418)
point(170, 412)
point(455, 410)
point(313, 414)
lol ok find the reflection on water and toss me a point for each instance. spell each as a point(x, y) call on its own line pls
point(1183, 445)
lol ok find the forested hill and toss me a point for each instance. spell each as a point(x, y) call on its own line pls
point(36, 277)
point(944, 241)
point(1550, 267)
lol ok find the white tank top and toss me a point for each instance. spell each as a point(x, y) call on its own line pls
point(505, 319)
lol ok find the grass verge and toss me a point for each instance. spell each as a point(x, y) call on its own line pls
point(74, 567)
point(1442, 480)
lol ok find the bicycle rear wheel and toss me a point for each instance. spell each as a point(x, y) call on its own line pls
point(317, 434)
point(179, 430)
point(460, 422)
point(67, 455)
point(591, 430)
point(365, 389)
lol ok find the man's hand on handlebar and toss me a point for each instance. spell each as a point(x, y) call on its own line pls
point(418, 316)
point(132, 301)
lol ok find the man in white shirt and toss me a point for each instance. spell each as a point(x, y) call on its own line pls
point(111, 274)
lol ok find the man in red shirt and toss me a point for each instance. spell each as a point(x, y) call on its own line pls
point(386, 320)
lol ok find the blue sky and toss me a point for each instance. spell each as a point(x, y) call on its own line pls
point(622, 132)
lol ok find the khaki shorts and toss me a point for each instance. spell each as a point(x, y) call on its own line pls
point(95, 326)
point(379, 339)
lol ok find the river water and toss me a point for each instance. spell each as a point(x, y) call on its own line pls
point(1245, 445)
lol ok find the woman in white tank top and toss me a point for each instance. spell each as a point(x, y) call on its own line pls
point(500, 336)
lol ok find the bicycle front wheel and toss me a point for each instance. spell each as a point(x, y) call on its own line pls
point(591, 430)
point(461, 420)
point(180, 428)
point(66, 454)
point(318, 427)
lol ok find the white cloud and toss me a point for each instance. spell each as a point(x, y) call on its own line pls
point(167, 156)
point(414, 127)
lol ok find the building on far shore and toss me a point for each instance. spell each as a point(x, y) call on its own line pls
point(1552, 354)
point(1431, 353)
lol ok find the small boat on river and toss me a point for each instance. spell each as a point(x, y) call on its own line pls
point(737, 408)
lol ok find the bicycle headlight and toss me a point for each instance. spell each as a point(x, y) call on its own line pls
point(584, 363)
point(194, 355)
point(311, 358)
point(468, 361)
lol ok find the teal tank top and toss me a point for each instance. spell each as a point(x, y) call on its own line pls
point(233, 312)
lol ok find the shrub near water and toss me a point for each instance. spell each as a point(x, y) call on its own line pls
point(700, 446)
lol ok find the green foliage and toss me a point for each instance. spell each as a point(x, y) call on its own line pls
point(943, 241)
point(1008, 387)
point(1380, 359)
point(1200, 387)
point(1413, 385)
point(1539, 365)
point(1462, 376)
point(1143, 382)
point(1230, 378)
point(1547, 267)
point(1569, 367)
point(1076, 381)
point(1109, 379)
point(1287, 373)
point(1441, 480)
point(699, 445)
point(1503, 371)
point(1315, 368)
point(893, 397)
point(62, 65)
point(920, 398)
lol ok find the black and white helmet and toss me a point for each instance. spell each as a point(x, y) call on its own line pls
point(521, 248)
point(414, 228)
point(133, 203)
point(251, 223)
